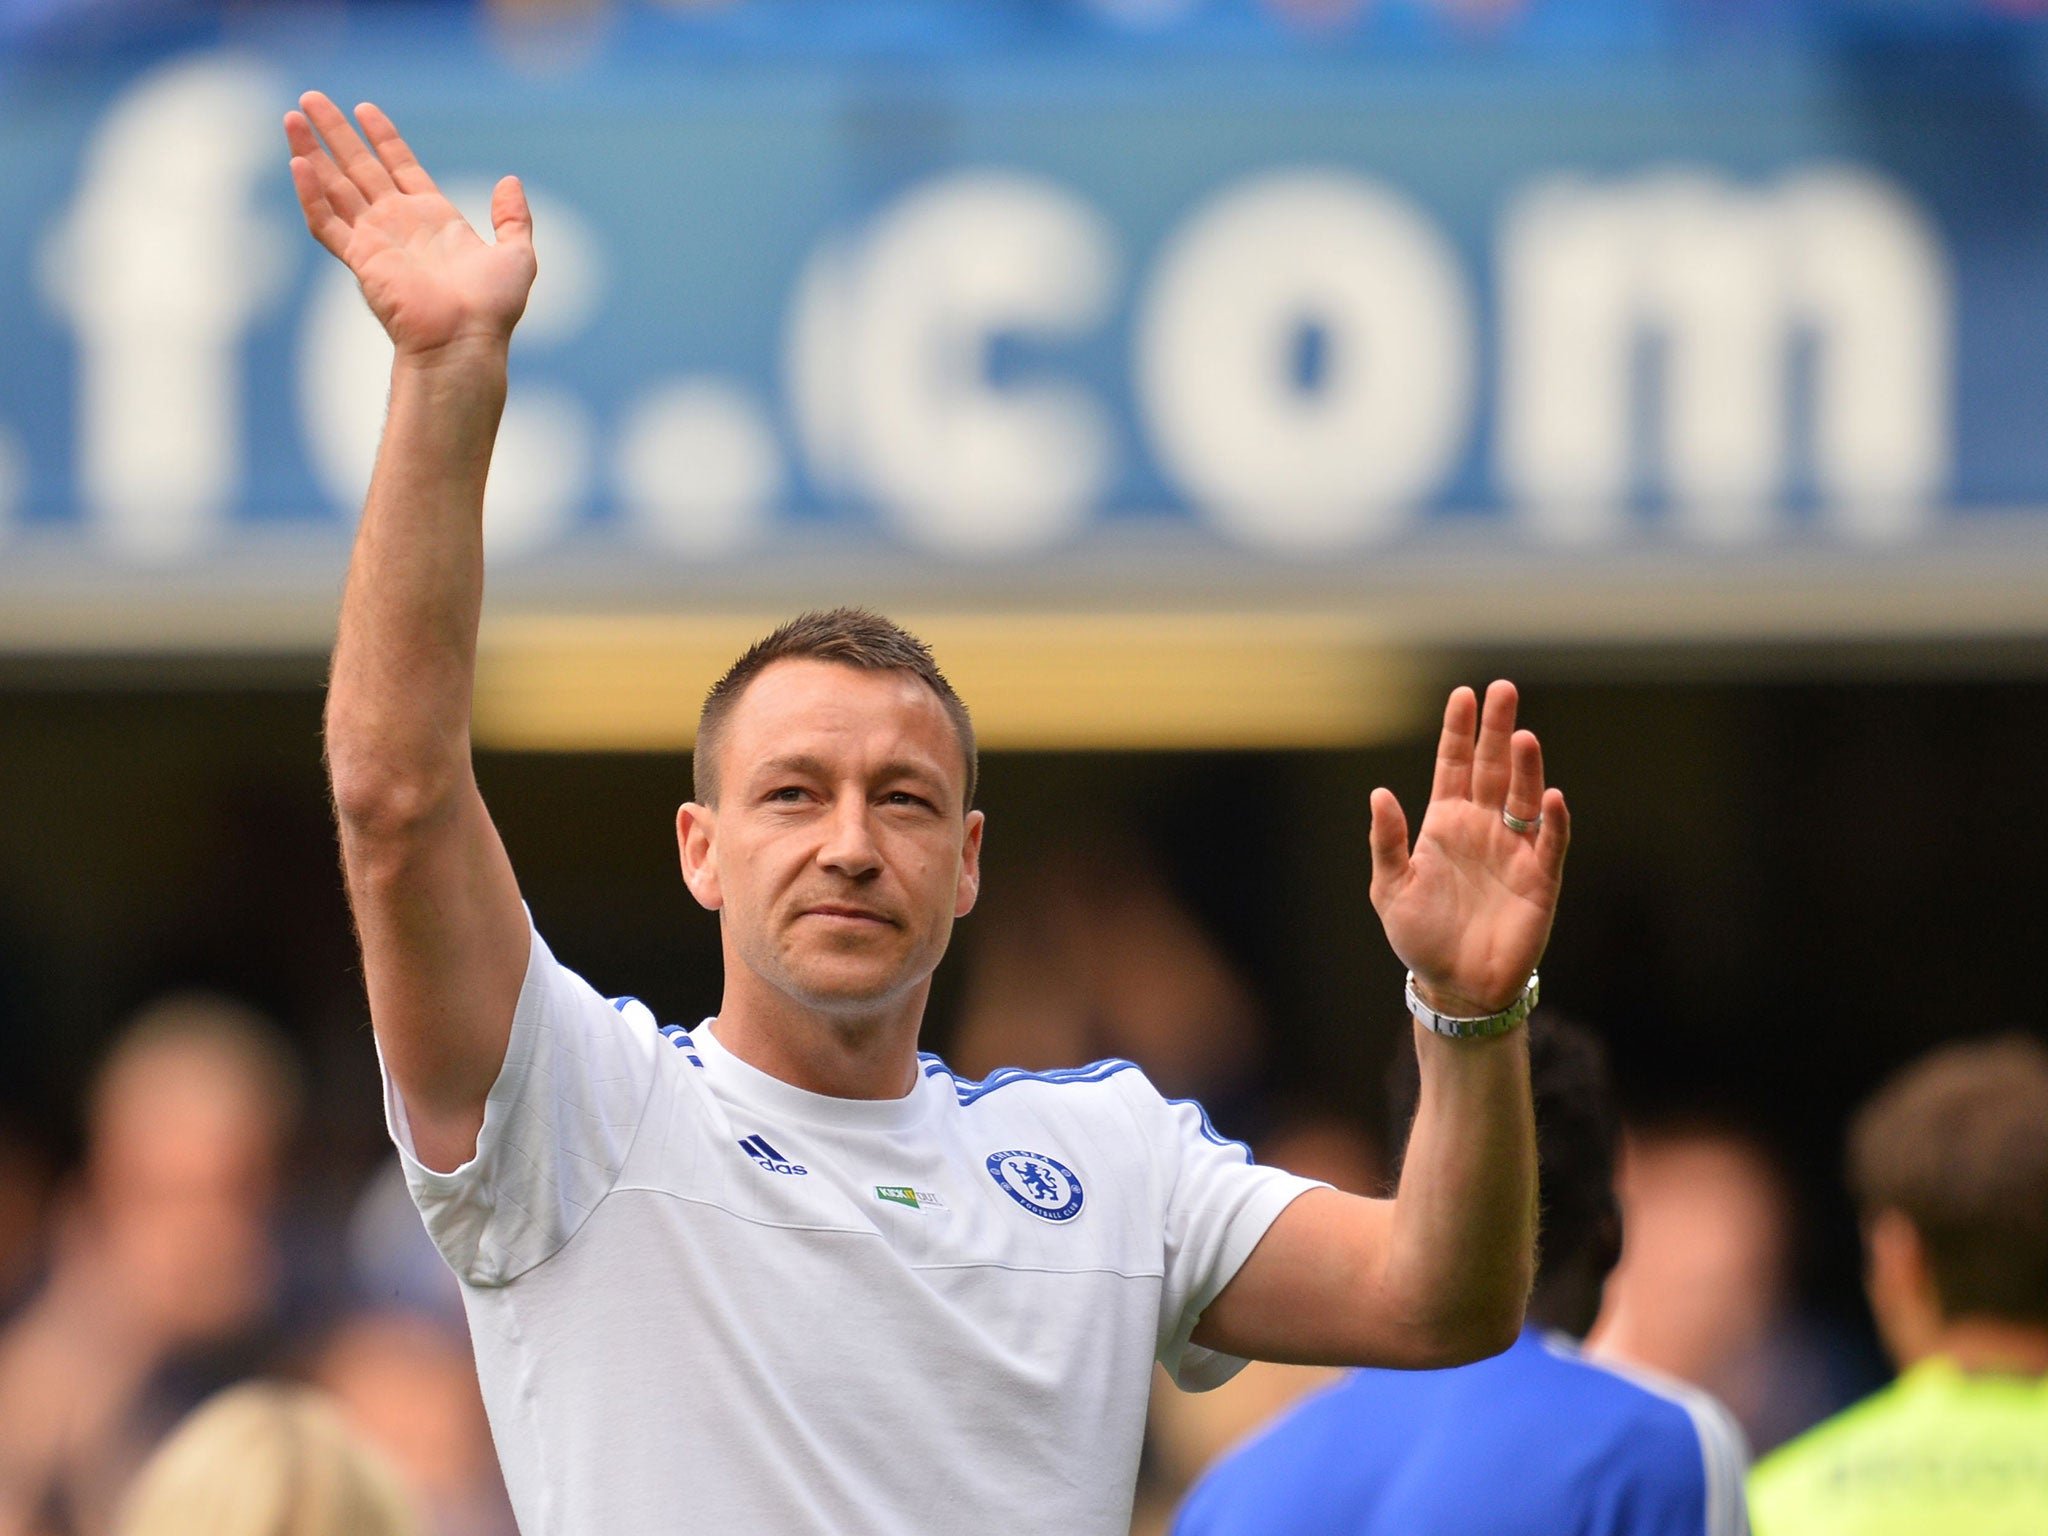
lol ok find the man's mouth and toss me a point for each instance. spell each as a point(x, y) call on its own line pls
point(839, 912)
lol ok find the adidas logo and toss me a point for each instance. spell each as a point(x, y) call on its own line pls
point(758, 1149)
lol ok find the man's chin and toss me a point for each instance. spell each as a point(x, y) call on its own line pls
point(837, 989)
point(848, 980)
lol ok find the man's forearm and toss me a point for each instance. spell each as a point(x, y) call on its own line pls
point(1439, 1275)
point(404, 662)
point(1464, 1230)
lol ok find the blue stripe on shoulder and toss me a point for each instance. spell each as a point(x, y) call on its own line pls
point(679, 1037)
point(1210, 1133)
point(1094, 1072)
point(968, 1092)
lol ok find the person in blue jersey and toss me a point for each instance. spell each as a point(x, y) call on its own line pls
point(1539, 1441)
point(779, 1273)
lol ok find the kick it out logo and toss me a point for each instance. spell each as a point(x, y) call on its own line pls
point(1044, 1186)
point(903, 1194)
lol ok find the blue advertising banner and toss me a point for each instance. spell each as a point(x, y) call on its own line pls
point(1098, 324)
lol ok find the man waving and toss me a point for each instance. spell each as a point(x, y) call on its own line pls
point(780, 1273)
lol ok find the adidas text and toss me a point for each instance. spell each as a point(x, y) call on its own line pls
point(760, 1151)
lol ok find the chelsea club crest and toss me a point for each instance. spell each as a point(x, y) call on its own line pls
point(1044, 1186)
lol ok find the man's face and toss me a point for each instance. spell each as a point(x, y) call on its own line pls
point(838, 855)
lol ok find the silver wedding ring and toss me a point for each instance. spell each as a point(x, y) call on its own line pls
point(1516, 824)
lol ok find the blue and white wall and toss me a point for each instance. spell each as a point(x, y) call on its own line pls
point(1109, 321)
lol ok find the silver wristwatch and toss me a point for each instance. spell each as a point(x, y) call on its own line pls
point(1472, 1029)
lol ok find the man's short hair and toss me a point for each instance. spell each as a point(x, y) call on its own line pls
point(851, 637)
point(1578, 1135)
point(1957, 1143)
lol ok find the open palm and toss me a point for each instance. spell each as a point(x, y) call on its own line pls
point(1469, 909)
point(430, 279)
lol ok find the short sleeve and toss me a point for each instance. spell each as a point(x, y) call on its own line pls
point(1220, 1205)
point(1724, 1452)
point(558, 1124)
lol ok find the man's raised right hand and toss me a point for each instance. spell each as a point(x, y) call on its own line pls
point(431, 281)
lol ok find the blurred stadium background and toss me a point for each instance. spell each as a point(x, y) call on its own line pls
point(1213, 382)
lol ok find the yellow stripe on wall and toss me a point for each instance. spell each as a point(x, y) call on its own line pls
point(1032, 680)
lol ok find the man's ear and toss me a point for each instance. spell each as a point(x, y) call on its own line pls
point(968, 887)
point(696, 837)
point(1900, 1284)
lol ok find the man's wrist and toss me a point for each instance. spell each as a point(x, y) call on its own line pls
point(1462, 1021)
point(1449, 1001)
point(470, 382)
point(477, 354)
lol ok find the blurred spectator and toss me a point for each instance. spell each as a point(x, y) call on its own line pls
point(264, 1459)
point(163, 1271)
point(1537, 1439)
point(401, 1366)
point(1088, 955)
point(1949, 1167)
point(409, 1387)
point(1702, 1292)
point(25, 1181)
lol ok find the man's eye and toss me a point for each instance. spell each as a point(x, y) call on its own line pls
point(789, 794)
point(905, 797)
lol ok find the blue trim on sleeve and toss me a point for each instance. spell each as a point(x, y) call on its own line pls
point(1210, 1133)
point(679, 1037)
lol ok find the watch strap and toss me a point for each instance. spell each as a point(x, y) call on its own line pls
point(1479, 1028)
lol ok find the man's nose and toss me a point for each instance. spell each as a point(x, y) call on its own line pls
point(849, 848)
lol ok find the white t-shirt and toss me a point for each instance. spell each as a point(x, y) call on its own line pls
point(703, 1299)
